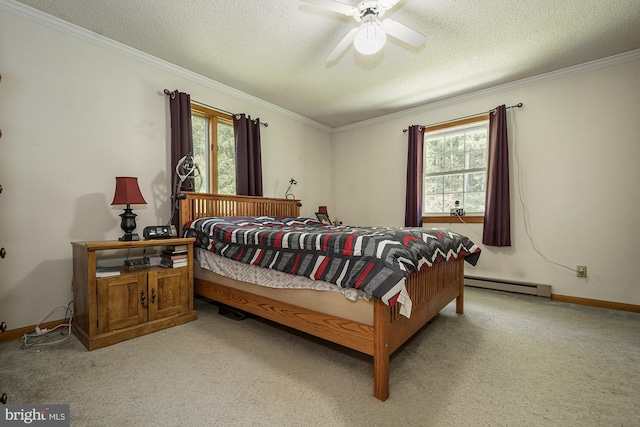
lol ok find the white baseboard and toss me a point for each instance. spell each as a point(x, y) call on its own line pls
point(509, 286)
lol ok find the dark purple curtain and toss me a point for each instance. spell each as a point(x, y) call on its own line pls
point(497, 213)
point(248, 156)
point(413, 205)
point(181, 145)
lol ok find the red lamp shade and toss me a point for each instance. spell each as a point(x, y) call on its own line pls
point(323, 209)
point(127, 192)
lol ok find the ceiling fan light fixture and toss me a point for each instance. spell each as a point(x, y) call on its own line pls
point(370, 38)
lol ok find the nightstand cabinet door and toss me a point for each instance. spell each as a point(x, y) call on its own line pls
point(168, 292)
point(122, 301)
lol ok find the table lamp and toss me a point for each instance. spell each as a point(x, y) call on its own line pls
point(128, 193)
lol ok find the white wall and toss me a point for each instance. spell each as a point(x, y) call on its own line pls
point(76, 111)
point(578, 140)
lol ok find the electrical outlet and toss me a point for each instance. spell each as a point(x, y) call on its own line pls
point(581, 271)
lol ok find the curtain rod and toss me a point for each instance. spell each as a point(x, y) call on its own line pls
point(518, 105)
point(172, 95)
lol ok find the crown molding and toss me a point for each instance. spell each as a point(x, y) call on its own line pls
point(73, 30)
point(552, 75)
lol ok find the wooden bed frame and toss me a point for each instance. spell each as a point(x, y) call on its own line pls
point(430, 291)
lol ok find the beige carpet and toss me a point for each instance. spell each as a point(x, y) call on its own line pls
point(510, 360)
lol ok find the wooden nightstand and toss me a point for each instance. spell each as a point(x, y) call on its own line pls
point(109, 310)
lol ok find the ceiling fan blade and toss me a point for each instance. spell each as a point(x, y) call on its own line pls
point(335, 6)
point(344, 44)
point(403, 33)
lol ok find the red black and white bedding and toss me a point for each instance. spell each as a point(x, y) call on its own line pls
point(376, 260)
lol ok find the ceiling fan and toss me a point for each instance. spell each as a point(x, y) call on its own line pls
point(372, 33)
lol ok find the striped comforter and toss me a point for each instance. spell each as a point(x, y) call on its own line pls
point(376, 260)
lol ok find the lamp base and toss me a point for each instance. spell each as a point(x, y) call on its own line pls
point(129, 237)
point(128, 224)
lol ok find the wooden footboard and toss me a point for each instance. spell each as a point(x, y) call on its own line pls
point(430, 291)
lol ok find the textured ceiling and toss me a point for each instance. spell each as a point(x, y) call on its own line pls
point(275, 50)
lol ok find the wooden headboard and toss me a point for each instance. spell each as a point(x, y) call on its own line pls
point(199, 205)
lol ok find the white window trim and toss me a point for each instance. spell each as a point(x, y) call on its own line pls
point(442, 128)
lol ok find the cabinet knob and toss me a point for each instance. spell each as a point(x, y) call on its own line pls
point(153, 296)
point(142, 298)
point(3, 399)
point(3, 253)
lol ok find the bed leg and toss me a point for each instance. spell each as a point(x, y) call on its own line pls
point(460, 298)
point(381, 376)
point(381, 355)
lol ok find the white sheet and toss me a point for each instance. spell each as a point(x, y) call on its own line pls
point(267, 277)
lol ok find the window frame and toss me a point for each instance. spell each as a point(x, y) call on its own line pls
point(477, 218)
point(214, 117)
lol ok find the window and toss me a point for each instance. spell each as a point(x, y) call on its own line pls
point(455, 166)
point(213, 150)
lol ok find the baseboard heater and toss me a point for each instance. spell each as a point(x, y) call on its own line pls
point(509, 286)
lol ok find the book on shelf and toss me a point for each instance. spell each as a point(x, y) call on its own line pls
point(177, 248)
point(174, 264)
point(174, 255)
point(102, 271)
